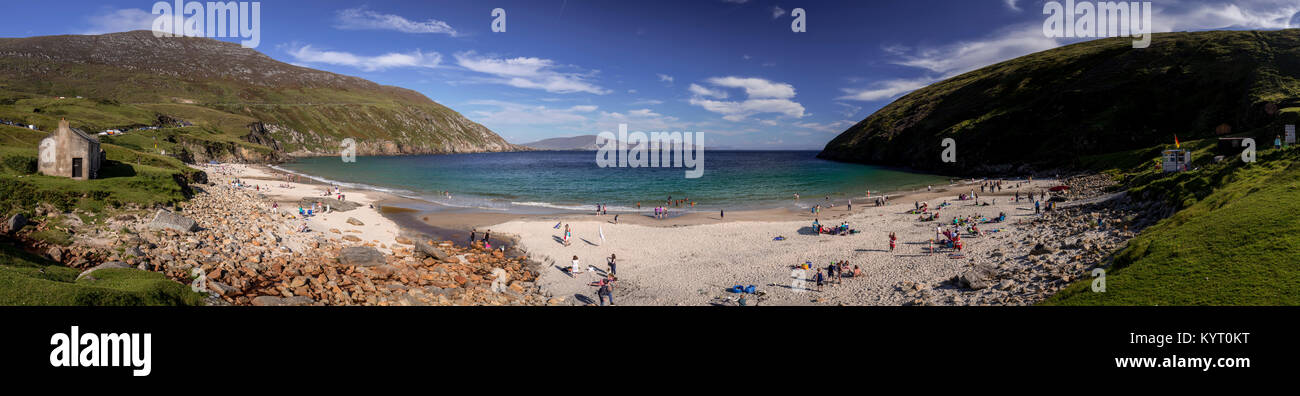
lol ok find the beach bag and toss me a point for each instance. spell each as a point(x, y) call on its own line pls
point(751, 289)
point(737, 289)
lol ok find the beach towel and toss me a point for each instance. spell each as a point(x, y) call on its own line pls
point(956, 256)
point(751, 289)
point(557, 226)
point(780, 238)
point(737, 289)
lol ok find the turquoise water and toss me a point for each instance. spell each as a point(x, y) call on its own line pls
point(551, 181)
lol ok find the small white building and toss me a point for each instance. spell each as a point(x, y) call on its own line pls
point(1175, 160)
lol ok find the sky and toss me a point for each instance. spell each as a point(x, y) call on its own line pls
point(732, 69)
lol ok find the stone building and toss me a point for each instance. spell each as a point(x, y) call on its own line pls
point(71, 153)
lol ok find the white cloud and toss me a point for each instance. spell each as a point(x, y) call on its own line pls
point(529, 73)
point(510, 113)
point(762, 96)
point(777, 12)
point(1012, 4)
point(665, 78)
point(850, 110)
point(120, 20)
point(703, 91)
point(756, 87)
point(964, 56)
point(647, 102)
point(887, 89)
point(310, 55)
point(631, 92)
point(363, 19)
point(1241, 14)
point(735, 1)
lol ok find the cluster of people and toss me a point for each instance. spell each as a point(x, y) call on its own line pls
point(842, 229)
point(835, 274)
point(604, 285)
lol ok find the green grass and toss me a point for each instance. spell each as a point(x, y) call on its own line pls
point(1236, 242)
point(26, 279)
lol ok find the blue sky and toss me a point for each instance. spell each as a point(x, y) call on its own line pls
point(730, 68)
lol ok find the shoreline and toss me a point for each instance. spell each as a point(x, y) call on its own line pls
point(689, 259)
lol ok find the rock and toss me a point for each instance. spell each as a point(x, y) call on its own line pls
point(172, 221)
point(125, 217)
point(976, 278)
point(334, 204)
point(1006, 284)
point(361, 256)
point(427, 248)
point(16, 223)
point(111, 264)
point(1041, 249)
point(355, 222)
point(403, 240)
point(269, 301)
point(222, 288)
point(55, 253)
point(351, 238)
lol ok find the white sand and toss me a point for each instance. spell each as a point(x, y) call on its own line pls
point(377, 230)
point(693, 265)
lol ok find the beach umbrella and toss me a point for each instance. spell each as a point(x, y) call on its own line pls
point(1059, 188)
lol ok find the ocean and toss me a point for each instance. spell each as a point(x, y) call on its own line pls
point(562, 181)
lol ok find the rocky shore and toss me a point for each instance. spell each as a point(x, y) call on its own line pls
point(1062, 246)
point(227, 242)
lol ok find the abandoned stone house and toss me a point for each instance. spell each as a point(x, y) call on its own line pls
point(70, 153)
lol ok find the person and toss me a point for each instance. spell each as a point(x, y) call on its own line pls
point(857, 272)
point(850, 205)
point(613, 264)
point(830, 272)
point(1036, 207)
point(616, 218)
point(275, 208)
point(567, 235)
point(471, 235)
point(820, 279)
point(574, 269)
point(606, 290)
point(892, 239)
point(722, 214)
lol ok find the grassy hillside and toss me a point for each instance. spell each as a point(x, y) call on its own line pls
point(1235, 242)
point(131, 79)
point(26, 279)
point(1051, 108)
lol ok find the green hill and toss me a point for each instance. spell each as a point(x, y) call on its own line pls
point(1051, 108)
point(1233, 243)
point(243, 105)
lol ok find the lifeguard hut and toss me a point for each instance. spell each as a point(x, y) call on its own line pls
point(1177, 160)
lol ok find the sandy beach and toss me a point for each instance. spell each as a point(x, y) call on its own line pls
point(692, 260)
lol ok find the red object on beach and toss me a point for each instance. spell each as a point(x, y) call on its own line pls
point(1059, 188)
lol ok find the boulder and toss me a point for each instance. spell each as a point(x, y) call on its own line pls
point(427, 248)
point(355, 222)
point(221, 288)
point(976, 278)
point(15, 223)
point(270, 301)
point(361, 256)
point(55, 253)
point(168, 220)
point(1041, 249)
point(111, 264)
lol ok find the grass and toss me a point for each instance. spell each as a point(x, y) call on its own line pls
point(26, 279)
point(1235, 243)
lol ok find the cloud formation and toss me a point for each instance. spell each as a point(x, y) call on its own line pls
point(529, 73)
point(363, 19)
point(310, 55)
point(762, 96)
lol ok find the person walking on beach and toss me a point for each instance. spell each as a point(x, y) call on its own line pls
point(487, 239)
point(616, 218)
point(471, 236)
point(574, 269)
point(605, 290)
point(567, 235)
point(722, 214)
point(613, 263)
point(892, 239)
point(820, 279)
point(1036, 207)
